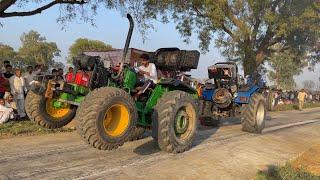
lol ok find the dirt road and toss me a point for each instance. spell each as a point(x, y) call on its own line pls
point(218, 153)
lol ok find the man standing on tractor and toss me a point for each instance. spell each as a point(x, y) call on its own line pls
point(149, 72)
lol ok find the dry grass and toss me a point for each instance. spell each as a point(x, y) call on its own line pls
point(304, 167)
point(309, 160)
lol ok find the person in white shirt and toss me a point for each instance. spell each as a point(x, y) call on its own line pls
point(18, 89)
point(10, 103)
point(5, 113)
point(148, 69)
point(28, 77)
point(149, 72)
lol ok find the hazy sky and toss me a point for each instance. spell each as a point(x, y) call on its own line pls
point(111, 27)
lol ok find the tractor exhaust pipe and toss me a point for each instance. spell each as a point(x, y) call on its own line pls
point(126, 46)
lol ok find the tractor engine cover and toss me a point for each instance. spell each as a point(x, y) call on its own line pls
point(222, 98)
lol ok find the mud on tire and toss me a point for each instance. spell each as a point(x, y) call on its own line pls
point(35, 105)
point(253, 114)
point(172, 137)
point(92, 117)
point(137, 133)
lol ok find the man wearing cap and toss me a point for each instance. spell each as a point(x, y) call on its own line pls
point(149, 72)
point(18, 89)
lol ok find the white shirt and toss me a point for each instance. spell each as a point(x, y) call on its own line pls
point(11, 105)
point(28, 79)
point(5, 114)
point(152, 70)
point(17, 85)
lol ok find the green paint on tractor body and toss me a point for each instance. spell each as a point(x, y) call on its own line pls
point(130, 79)
point(145, 110)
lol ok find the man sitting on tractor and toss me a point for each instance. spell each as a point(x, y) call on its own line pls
point(149, 72)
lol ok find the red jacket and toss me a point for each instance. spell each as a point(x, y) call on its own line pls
point(4, 84)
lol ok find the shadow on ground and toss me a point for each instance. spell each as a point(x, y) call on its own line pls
point(148, 148)
point(151, 146)
point(204, 133)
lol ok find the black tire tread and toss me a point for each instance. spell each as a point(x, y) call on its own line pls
point(88, 112)
point(137, 133)
point(248, 115)
point(35, 113)
point(165, 109)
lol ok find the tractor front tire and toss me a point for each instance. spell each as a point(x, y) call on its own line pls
point(176, 121)
point(106, 118)
point(38, 110)
point(253, 114)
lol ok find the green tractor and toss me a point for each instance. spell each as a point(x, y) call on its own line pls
point(106, 107)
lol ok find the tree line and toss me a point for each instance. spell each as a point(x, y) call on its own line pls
point(279, 34)
point(36, 49)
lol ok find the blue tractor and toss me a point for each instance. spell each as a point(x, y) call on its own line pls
point(226, 95)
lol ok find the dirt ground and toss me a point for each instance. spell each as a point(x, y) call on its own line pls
point(218, 153)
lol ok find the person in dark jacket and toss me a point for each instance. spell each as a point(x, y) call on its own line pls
point(8, 74)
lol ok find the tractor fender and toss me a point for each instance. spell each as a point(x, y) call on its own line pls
point(207, 94)
point(243, 97)
point(178, 85)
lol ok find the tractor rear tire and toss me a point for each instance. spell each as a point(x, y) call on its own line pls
point(137, 133)
point(36, 109)
point(253, 114)
point(176, 121)
point(107, 118)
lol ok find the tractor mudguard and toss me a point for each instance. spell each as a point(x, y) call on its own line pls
point(207, 94)
point(178, 85)
point(243, 97)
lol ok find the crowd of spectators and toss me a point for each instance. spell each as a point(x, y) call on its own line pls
point(14, 85)
point(291, 97)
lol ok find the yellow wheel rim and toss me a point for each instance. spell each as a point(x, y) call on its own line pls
point(56, 112)
point(116, 120)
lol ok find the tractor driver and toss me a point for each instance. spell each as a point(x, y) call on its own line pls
point(226, 72)
point(149, 72)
